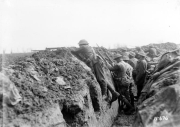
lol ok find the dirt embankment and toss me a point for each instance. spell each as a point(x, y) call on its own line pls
point(159, 104)
point(162, 47)
point(57, 89)
point(56, 80)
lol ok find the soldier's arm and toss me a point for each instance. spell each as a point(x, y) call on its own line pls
point(79, 53)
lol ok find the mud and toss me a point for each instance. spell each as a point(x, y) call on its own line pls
point(48, 78)
point(59, 90)
point(160, 107)
point(163, 46)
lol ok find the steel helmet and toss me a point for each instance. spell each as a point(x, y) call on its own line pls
point(83, 42)
point(142, 53)
point(125, 57)
point(117, 56)
point(132, 54)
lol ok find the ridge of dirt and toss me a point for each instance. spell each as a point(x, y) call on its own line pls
point(35, 77)
point(162, 46)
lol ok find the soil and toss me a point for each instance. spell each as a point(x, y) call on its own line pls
point(35, 77)
point(163, 47)
point(124, 121)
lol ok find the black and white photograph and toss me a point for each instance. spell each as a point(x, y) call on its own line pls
point(89, 63)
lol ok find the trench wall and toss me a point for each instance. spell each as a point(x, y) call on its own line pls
point(57, 90)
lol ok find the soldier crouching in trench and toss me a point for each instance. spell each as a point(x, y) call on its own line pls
point(95, 62)
point(129, 75)
point(122, 82)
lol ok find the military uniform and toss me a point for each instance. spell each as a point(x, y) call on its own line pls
point(120, 70)
point(140, 75)
point(123, 82)
point(138, 49)
point(129, 73)
point(129, 70)
point(95, 62)
point(133, 62)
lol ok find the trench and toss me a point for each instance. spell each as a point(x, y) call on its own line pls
point(120, 120)
point(123, 120)
point(36, 82)
point(35, 78)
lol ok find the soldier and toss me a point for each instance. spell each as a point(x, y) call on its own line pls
point(130, 77)
point(133, 62)
point(124, 52)
point(128, 66)
point(120, 69)
point(138, 49)
point(95, 62)
point(140, 72)
point(152, 52)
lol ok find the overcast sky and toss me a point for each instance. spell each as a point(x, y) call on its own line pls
point(37, 24)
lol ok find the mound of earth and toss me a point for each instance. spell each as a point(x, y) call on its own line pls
point(159, 104)
point(162, 47)
point(56, 89)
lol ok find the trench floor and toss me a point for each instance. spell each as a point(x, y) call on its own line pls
point(123, 120)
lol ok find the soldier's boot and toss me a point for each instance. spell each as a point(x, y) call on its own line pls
point(129, 106)
point(115, 94)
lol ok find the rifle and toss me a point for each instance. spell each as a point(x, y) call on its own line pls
point(102, 56)
point(107, 55)
point(112, 73)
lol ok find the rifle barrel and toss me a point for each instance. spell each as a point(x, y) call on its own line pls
point(111, 62)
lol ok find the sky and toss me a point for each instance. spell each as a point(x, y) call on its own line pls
point(37, 24)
